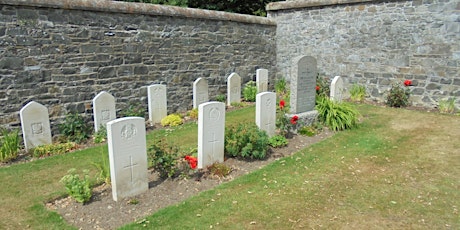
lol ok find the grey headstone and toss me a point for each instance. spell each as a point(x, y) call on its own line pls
point(266, 112)
point(211, 133)
point(128, 156)
point(200, 92)
point(337, 89)
point(262, 80)
point(103, 109)
point(233, 89)
point(157, 102)
point(303, 84)
point(35, 125)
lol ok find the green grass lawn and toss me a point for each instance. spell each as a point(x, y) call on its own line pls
point(399, 170)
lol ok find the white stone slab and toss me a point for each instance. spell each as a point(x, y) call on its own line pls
point(128, 157)
point(233, 89)
point(103, 109)
point(157, 102)
point(211, 133)
point(262, 80)
point(337, 89)
point(303, 84)
point(35, 123)
point(266, 112)
point(200, 92)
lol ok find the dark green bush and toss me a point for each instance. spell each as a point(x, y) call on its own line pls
point(246, 141)
point(164, 158)
point(335, 115)
point(75, 128)
point(278, 141)
point(398, 96)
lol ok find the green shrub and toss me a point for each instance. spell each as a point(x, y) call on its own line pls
point(221, 98)
point(53, 149)
point(280, 86)
point(133, 110)
point(164, 158)
point(357, 93)
point(337, 116)
point(75, 128)
point(171, 120)
point(398, 96)
point(9, 145)
point(246, 141)
point(78, 188)
point(250, 91)
point(100, 136)
point(447, 106)
point(307, 131)
point(278, 141)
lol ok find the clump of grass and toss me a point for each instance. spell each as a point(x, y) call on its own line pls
point(447, 106)
point(357, 93)
point(9, 145)
point(337, 116)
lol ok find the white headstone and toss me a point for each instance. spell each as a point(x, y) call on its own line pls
point(266, 112)
point(35, 124)
point(211, 133)
point(103, 109)
point(262, 80)
point(200, 92)
point(157, 102)
point(128, 156)
point(233, 89)
point(303, 84)
point(337, 89)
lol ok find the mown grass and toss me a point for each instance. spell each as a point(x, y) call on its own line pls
point(399, 169)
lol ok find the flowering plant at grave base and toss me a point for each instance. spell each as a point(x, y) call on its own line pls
point(282, 104)
point(317, 88)
point(192, 161)
point(407, 82)
point(283, 123)
point(294, 119)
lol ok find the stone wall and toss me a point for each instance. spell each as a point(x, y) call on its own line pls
point(62, 53)
point(375, 43)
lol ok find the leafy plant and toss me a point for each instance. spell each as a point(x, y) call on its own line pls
point(75, 128)
point(357, 93)
point(133, 110)
point(78, 188)
point(53, 149)
point(322, 86)
point(447, 106)
point(246, 141)
point(278, 141)
point(9, 145)
point(219, 169)
point(193, 114)
point(398, 96)
point(280, 86)
point(103, 166)
point(238, 104)
point(221, 98)
point(307, 131)
point(100, 136)
point(337, 116)
point(250, 91)
point(164, 158)
point(172, 120)
point(283, 123)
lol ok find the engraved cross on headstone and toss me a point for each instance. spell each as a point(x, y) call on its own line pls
point(131, 167)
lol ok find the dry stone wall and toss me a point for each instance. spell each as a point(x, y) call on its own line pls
point(62, 53)
point(375, 43)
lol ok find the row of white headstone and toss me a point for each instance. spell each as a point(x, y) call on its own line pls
point(36, 125)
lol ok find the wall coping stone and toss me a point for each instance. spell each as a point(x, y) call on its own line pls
point(287, 5)
point(140, 8)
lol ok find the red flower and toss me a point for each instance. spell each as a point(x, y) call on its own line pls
point(282, 104)
point(317, 88)
point(294, 119)
point(192, 161)
point(407, 82)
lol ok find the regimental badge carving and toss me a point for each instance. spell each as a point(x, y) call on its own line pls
point(214, 114)
point(128, 131)
point(37, 128)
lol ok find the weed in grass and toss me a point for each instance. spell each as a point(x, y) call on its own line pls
point(9, 145)
point(103, 167)
point(238, 104)
point(78, 188)
point(357, 93)
point(447, 106)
